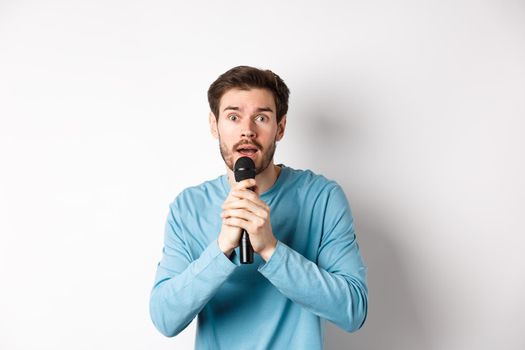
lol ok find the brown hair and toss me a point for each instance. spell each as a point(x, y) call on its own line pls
point(245, 78)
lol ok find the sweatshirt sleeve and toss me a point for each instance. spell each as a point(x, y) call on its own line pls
point(334, 287)
point(182, 285)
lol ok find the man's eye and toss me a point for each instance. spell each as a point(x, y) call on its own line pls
point(260, 118)
point(232, 117)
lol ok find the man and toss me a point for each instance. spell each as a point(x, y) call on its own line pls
point(307, 266)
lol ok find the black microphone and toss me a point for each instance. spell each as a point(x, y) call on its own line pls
point(245, 169)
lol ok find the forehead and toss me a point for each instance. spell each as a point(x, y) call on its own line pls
point(247, 99)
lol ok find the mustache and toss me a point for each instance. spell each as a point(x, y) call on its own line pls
point(245, 142)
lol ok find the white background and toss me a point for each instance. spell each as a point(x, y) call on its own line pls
point(415, 107)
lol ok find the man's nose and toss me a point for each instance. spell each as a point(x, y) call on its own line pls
point(248, 133)
point(248, 130)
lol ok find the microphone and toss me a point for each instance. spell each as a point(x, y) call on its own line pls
point(245, 169)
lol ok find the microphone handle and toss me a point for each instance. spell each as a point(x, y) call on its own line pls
point(246, 248)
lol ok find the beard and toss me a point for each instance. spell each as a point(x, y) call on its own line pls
point(264, 162)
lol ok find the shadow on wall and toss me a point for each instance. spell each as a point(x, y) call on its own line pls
point(393, 320)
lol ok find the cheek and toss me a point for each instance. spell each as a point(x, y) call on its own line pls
point(225, 132)
point(226, 136)
point(271, 134)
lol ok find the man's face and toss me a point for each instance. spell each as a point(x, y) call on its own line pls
point(247, 127)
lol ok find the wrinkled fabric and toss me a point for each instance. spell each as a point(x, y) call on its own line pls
point(315, 274)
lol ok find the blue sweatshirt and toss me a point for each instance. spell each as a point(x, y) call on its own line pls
point(316, 272)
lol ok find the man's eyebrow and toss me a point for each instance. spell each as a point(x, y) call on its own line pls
point(232, 108)
point(264, 109)
point(260, 109)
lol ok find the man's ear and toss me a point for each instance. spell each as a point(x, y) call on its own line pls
point(280, 128)
point(213, 125)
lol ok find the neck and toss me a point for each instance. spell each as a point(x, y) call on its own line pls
point(264, 180)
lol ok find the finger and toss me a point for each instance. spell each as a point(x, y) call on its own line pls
point(247, 221)
point(240, 203)
point(244, 204)
point(242, 194)
point(245, 193)
point(232, 197)
point(244, 184)
point(241, 214)
point(237, 222)
point(251, 196)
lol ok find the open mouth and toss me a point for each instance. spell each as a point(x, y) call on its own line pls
point(246, 151)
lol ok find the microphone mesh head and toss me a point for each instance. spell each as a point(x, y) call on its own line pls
point(244, 169)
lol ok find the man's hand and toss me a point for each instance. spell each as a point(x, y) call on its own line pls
point(243, 209)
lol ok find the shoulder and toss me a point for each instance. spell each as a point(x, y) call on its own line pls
point(320, 191)
point(307, 180)
point(200, 195)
